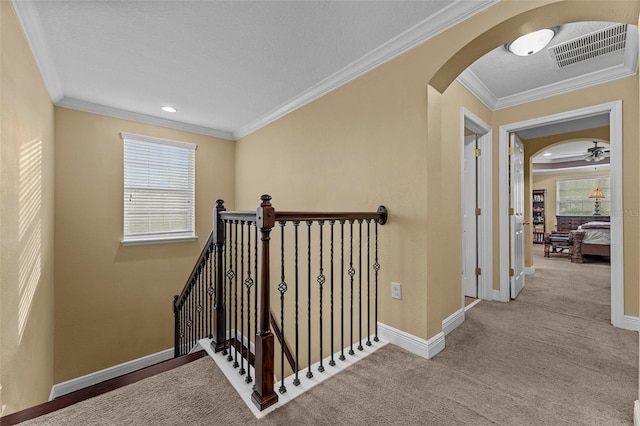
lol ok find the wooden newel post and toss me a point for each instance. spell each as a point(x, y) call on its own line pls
point(263, 395)
point(220, 332)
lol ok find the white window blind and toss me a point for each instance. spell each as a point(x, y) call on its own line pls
point(159, 195)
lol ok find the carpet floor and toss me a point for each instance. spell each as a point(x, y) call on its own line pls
point(550, 357)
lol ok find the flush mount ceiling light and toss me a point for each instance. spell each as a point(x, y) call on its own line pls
point(168, 109)
point(547, 154)
point(531, 43)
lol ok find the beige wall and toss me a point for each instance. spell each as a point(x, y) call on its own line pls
point(113, 303)
point(384, 138)
point(26, 223)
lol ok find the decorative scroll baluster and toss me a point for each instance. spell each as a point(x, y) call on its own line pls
point(296, 224)
point(352, 273)
point(248, 282)
point(211, 289)
point(241, 371)
point(360, 348)
point(341, 357)
point(368, 283)
point(235, 298)
point(332, 362)
point(282, 288)
point(230, 275)
point(376, 268)
point(321, 280)
point(309, 373)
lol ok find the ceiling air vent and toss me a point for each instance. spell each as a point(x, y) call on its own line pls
point(590, 46)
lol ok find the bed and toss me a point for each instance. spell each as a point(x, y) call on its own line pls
point(591, 238)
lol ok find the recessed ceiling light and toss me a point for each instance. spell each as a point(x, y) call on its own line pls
point(547, 154)
point(531, 43)
point(168, 109)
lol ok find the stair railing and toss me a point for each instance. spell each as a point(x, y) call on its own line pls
point(237, 261)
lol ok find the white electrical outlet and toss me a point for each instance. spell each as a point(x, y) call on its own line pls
point(396, 291)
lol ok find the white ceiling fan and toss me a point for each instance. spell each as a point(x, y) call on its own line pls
point(596, 153)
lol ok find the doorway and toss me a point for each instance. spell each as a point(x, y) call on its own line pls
point(614, 109)
point(477, 234)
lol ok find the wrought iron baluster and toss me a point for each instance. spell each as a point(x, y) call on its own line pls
point(332, 362)
point(376, 268)
point(229, 290)
point(360, 348)
point(242, 370)
point(321, 280)
point(368, 283)
point(211, 289)
point(352, 273)
point(296, 224)
point(282, 288)
point(309, 373)
point(248, 282)
point(341, 357)
point(236, 364)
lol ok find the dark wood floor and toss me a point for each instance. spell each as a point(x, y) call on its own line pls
point(98, 389)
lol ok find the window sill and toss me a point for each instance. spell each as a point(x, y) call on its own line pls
point(157, 240)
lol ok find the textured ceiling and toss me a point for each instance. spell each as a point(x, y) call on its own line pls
point(230, 67)
point(223, 64)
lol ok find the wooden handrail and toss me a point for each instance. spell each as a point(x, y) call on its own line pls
point(203, 254)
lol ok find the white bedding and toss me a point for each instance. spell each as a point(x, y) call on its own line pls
point(597, 236)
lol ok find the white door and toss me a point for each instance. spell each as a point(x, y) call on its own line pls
point(516, 186)
point(469, 220)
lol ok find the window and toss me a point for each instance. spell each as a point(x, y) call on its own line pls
point(573, 196)
point(159, 196)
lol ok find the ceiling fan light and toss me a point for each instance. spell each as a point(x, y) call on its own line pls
point(531, 43)
point(588, 158)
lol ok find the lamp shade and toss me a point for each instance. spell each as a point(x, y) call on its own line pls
point(596, 194)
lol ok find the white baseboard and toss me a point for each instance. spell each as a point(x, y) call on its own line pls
point(452, 321)
point(108, 373)
point(497, 296)
point(631, 323)
point(416, 345)
point(529, 270)
point(636, 413)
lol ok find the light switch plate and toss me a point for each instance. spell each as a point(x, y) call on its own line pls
point(396, 291)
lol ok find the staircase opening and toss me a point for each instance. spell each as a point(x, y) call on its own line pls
point(308, 279)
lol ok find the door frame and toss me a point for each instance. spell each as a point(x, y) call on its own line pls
point(617, 213)
point(485, 196)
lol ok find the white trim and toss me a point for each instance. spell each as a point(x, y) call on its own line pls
point(631, 323)
point(452, 322)
point(470, 81)
point(472, 304)
point(416, 345)
point(636, 413)
point(617, 213)
point(109, 373)
point(161, 141)
point(485, 197)
point(29, 19)
point(85, 106)
point(456, 12)
point(576, 83)
point(529, 270)
point(133, 241)
point(570, 170)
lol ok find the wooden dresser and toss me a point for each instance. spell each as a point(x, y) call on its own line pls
point(569, 223)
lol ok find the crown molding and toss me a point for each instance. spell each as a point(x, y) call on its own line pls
point(470, 81)
point(29, 19)
point(453, 14)
point(607, 75)
point(570, 170)
point(141, 118)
